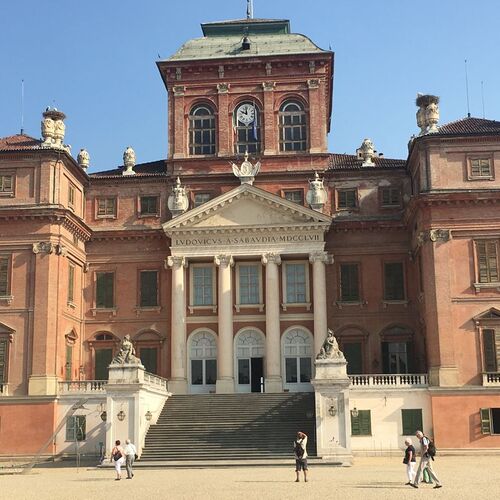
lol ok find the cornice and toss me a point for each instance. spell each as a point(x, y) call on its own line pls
point(128, 234)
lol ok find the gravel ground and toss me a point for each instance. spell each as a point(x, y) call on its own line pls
point(373, 477)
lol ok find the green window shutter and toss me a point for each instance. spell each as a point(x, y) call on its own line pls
point(3, 360)
point(412, 421)
point(361, 425)
point(349, 282)
point(70, 429)
point(71, 283)
point(490, 358)
point(149, 288)
point(69, 361)
point(105, 290)
point(485, 420)
point(394, 281)
point(4, 276)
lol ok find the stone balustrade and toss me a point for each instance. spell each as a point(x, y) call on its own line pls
point(155, 381)
point(79, 386)
point(491, 379)
point(391, 381)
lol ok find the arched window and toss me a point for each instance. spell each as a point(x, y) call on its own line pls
point(292, 127)
point(203, 355)
point(297, 353)
point(249, 349)
point(246, 123)
point(202, 131)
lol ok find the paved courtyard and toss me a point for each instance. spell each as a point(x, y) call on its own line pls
point(373, 478)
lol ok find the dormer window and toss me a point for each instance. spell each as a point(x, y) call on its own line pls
point(202, 137)
point(292, 127)
point(246, 122)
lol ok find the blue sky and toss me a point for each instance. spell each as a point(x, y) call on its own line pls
point(95, 60)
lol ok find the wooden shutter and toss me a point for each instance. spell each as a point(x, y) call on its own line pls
point(485, 416)
point(349, 282)
point(487, 261)
point(412, 421)
point(4, 276)
point(149, 288)
point(3, 360)
point(490, 358)
point(105, 290)
point(361, 425)
point(394, 281)
point(70, 428)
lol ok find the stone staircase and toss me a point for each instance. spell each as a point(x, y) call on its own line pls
point(206, 427)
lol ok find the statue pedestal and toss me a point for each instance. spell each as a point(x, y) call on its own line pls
point(126, 373)
point(333, 417)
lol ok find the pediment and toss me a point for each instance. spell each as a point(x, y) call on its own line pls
point(492, 314)
point(247, 207)
point(6, 329)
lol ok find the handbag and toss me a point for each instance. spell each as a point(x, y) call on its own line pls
point(117, 456)
point(136, 456)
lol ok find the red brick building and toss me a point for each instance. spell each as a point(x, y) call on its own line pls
point(224, 272)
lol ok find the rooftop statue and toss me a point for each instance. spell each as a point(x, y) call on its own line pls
point(247, 172)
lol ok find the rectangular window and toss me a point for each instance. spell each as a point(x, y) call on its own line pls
point(200, 198)
point(391, 197)
point(489, 348)
point(4, 344)
point(480, 167)
point(490, 420)
point(353, 353)
point(105, 290)
point(71, 195)
point(412, 421)
point(4, 277)
point(347, 198)
point(349, 282)
point(305, 369)
point(487, 260)
point(394, 283)
point(295, 195)
point(76, 428)
point(149, 289)
point(249, 285)
point(202, 286)
point(291, 370)
point(6, 184)
point(149, 205)
point(71, 283)
point(361, 425)
point(106, 207)
point(296, 283)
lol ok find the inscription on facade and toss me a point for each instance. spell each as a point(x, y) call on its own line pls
point(244, 240)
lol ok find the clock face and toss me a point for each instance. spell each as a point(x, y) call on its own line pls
point(246, 114)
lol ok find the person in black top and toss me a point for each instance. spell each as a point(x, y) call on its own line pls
point(410, 460)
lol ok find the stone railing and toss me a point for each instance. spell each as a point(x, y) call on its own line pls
point(79, 386)
point(395, 381)
point(491, 379)
point(4, 389)
point(155, 381)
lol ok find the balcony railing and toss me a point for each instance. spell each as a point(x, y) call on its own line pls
point(491, 379)
point(400, 380)
point(87, 386)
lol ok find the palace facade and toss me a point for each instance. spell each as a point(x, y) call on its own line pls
point(227, 262)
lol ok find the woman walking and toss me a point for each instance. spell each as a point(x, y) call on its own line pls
point(410, 460)
point(118, 457)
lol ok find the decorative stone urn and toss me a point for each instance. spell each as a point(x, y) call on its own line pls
point(53, 129)
point(316, 195)
point(428, 113)
point(83, 159)
point(366, 152)
point(128, 161)
point(178, 201)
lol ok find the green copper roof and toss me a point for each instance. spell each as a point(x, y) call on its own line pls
point(267, 37)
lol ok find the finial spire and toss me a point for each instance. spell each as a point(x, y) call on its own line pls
point(249, 9)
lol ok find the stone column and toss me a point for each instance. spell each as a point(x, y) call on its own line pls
point(273, 381)
point(178, 380)
point(318, 261)
point(225, 357)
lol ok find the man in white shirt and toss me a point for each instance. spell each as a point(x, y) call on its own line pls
point(130, 453)
point(300, 452)
point(425, 461)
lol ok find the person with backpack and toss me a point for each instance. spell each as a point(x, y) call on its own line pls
point(427, 452)
point(300, 452)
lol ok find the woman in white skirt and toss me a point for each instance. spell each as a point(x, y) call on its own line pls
point(410, 460)
point(118, 457)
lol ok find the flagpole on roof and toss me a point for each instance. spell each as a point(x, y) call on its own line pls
point(249, 9)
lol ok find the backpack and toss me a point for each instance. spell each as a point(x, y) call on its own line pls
point(431, 448)
point(299, 451)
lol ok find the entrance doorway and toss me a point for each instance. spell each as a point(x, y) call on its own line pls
point(249, 360)
point(203, 362)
